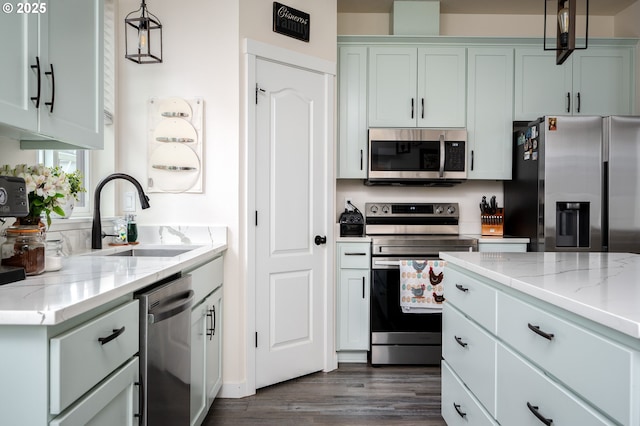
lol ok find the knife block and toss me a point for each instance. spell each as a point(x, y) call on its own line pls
point(493, 224)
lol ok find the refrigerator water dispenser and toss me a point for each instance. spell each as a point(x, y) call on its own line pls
point(572, 224)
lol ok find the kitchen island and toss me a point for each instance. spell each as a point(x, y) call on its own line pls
point(69, 339)
point(541, 338)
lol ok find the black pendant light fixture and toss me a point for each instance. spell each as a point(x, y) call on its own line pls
point(566, 29)
point(143, 36)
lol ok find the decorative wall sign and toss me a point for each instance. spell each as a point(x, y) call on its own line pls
point(291, 22)
point(175, 159)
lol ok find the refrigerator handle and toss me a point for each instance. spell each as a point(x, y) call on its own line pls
point(568, 102)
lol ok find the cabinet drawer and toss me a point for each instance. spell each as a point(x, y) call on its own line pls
point(475, 299)
point(585, 362)
point(471, 353)
point(114, 402)
point(459, 406)
point(207, 278)
point(79, 360)
point(520, 384)
point(354, 255)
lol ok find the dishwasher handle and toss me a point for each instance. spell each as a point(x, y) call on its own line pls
point(171, 306)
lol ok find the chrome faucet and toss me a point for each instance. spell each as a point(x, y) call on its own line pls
point(96, 227)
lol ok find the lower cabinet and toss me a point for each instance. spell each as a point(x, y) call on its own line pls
point(537, 365)
point(353, 336)
point(503, 246)
point(81, 371)
point(206, 339)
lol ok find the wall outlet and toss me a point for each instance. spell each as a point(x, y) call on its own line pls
point(129, 201)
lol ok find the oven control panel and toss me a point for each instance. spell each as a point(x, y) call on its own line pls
point(411, 210)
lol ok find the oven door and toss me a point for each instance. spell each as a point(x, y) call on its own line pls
point(389, 325)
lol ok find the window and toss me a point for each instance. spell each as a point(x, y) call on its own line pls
point(70, 160)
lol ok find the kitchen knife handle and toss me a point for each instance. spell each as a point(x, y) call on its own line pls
point(568, 102)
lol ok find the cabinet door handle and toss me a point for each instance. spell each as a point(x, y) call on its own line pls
point(412, 107)
point(462, 288)
point(361, 160)
point(471, 159)
point(534, 410)
point(568, 102)
point(363, 289)
point(36, 99)
point(53, 88)
point(536, 329)
point(422, 107)
point(579, 102)
point(211, 313)
point(116, 333)
point(460, 342)
point(355, 254)
point(460, 413)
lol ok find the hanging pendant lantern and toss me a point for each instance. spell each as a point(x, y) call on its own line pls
point(143, 36)
point(566, 29)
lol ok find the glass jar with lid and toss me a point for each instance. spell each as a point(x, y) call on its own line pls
point(24, 247)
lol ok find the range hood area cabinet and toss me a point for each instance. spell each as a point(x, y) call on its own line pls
point(596, 81)
point(51, 74)
point(417, 87)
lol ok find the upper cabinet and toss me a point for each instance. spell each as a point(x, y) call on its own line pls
point(596, 81)
point(53, 72)
point(352, 112)
point(417, 87)
point(490, 112)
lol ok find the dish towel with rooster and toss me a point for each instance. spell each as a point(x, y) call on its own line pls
point(421, 287)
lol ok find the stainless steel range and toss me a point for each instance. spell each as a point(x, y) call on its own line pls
point(407, 232)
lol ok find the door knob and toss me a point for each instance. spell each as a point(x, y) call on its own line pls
point(320, 240)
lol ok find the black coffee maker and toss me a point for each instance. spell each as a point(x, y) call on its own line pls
point(351, 222)
point(14, 202)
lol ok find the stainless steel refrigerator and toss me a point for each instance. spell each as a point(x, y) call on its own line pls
point(576, 184)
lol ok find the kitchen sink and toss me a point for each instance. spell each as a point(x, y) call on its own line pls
point(149, 252)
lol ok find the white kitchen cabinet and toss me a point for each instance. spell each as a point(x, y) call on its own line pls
point(417, 86)
point(503, 245)
point(53, 72)
point(490, 112)
point(352, 113)
point(206, 338)
point(41, 384)
point(535, 358)
point(353, 279)
point(596, 81)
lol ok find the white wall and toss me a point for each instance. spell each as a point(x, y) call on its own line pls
point(201, 59)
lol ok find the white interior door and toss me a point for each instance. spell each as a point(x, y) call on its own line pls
point(291, 129)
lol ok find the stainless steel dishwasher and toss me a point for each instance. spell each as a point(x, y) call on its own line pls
point(165, 352)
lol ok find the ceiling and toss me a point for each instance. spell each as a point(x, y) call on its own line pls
point(516, 7)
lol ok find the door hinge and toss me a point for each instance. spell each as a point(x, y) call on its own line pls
point(256, 339)
point(258, 90)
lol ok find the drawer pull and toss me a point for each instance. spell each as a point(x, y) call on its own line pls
point(460, 413)
point(461, 288)
point(460, 342)
point(355, 254)
point(116, 333)
point(536, 329)
point(534, 410)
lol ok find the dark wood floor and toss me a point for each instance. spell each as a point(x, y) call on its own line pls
point(354, 394)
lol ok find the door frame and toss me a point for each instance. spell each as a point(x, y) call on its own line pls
point(252, 50)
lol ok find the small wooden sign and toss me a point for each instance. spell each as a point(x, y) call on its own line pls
point(291, 22)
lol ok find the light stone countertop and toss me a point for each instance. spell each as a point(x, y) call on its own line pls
point(91, 279)
point(602, 287)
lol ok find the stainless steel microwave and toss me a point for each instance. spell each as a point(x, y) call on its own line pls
point(417, 156)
